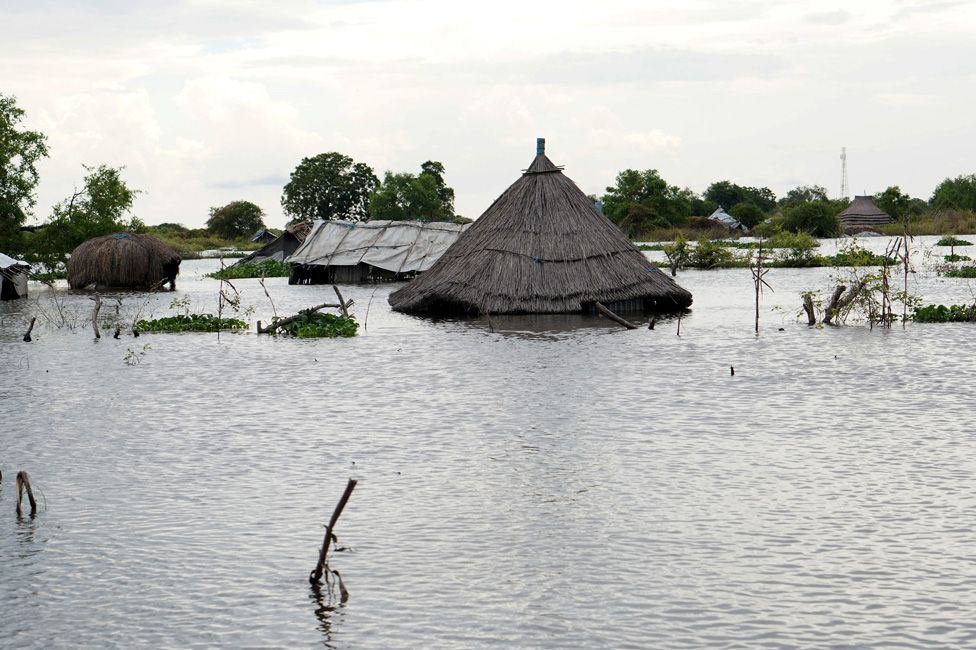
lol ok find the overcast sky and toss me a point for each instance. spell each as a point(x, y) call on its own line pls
point(208, 101)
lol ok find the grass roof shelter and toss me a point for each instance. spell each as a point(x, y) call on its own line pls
point(123, 261)
point(863, 213)
point(13, 278)
point(541, 248)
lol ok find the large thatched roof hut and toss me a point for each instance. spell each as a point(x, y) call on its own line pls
point(541, 248)
point(863, 213)
point(123, 261)
point(13, 278)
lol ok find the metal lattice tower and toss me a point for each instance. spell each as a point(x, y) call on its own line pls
point(844, 192)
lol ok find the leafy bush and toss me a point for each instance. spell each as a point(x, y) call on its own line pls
point(853, 254)
point(319, 325)
point(800, 247)
point(943, 314)
point(957, 258)
point(952, 240)
point(817, 218)
point(190, 323)
point(709, 254)
point(265, 269)
point(964, 272)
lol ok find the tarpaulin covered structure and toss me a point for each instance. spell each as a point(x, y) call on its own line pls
point(13, 278)
point(345, 251)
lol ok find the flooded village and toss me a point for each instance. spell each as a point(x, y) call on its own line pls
point(547, 393)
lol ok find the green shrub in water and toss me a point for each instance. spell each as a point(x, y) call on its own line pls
point(190, 323)
point(265, 269)
point(964, 272)
point(952, 240)
point(319, 325)
point(943, 314)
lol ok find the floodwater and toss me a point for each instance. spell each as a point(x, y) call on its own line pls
point(548, 483)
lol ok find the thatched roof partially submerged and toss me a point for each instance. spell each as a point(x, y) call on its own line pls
point(540, 248)
point(863, 212)
point(282, 246)
point(124, 261)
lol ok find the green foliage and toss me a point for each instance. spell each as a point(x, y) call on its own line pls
point(403, 197)
point(265, 269)
point(190, 323)
point(20, 150)
point(799, 246)
point(329, 186)
point(729, 195)
point(99, 208)
point(815, 217)
point(943, 314)
point(804, 194)
point(677, 252)
point(319, 325)
point(963, 272)
point(236, 219)
point(709, 254)
point(853, 254)
point(748, 214)
point(957, 258)
point(958, 193)
point(640, 201)
point(952, 240)
point(898, 205)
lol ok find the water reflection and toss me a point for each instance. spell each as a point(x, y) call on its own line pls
point(325, 608)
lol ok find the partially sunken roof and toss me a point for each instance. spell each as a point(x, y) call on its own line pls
point(863, 212)
point(540, 248)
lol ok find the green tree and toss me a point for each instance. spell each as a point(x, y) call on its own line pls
point(818, 218)
point(329, 186)
point(235, 220)
point(803, 194)
point(640, 201)
point(728, 195)
point(957, 193)
point(100, 207)
point(895, 203)
point(20, 149)
point(403, 197)
point(748, 214)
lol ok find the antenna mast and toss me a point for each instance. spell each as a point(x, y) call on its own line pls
point(844, 192)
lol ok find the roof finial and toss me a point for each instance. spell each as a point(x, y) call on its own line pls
point(540, 146)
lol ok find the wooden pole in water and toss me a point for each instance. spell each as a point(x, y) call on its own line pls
point(315, 576)
point(98, 306)
point(23, 483)
point(27, 336)
point(612, 316)
point(342, 303)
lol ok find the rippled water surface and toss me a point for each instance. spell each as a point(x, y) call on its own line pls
point(554, 483)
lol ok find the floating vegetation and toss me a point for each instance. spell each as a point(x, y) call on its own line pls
point(943, 314)
point(951, 240)
point(265, 269)
point(318, 325)
point(962, 272)
point(191, 323)
point(957, 258)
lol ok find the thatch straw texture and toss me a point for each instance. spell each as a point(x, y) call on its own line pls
point(540, 248)
point(125, 261)
point(864, 212)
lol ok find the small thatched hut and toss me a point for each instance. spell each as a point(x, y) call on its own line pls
point(863, 213)
point(123, 261)
point(13, 278)
point(541, 248)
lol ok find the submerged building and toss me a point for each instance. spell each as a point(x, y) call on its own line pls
point(863, 214)
point(541, 248)
point(13, 278)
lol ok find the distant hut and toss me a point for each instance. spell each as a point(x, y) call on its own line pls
point(13, 278)
point(727, 220)
point(863, 214)
point(541, 248)
point(282, 247)
point(263, 236)
point(123, 261)
point(371, 251)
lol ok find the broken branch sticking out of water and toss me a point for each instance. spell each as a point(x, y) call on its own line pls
point(27, 334)
point(323, 564)
point(23, 484)
point(94, 320)
point(273, 327)
point(600, 307)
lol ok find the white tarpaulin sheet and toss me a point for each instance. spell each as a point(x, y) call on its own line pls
point(396, 246)
point(6, 262)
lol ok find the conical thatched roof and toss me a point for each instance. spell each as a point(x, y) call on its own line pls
point(122, 260)
point(540, 248)
point(863, 212)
